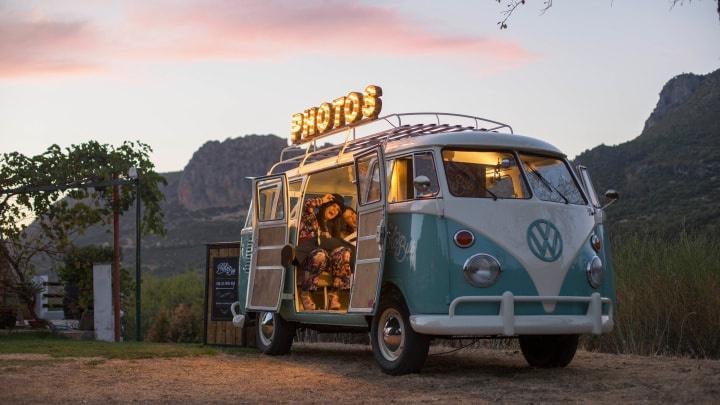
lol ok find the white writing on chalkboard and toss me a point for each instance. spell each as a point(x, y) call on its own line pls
point(224, 287)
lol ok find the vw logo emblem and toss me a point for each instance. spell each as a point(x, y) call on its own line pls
point(544, 240)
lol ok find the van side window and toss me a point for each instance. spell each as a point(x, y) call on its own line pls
point(271, 205)
point(402, 172)
point(369, 178)
point(425, 166)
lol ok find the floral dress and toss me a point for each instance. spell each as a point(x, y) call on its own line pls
point(340, 268)
point(309, 225)
point(313, 266)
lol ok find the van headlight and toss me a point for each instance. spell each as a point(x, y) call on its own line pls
point(481, 270)
point(595, 272)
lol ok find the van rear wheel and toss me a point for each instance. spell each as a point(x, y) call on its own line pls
point(549, 351)
point(397, 348)
point(274, 335)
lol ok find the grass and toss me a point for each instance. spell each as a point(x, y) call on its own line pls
point(55, 346)
point(668, 294)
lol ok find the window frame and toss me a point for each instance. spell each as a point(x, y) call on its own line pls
point(276, 202)
point(565, 162)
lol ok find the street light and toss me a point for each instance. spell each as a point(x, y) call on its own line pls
point(133, 174)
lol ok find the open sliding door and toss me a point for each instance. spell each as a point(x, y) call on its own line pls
point(270, 234)
point(370, 181)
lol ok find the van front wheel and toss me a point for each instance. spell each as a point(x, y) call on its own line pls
point(274, 335)
point(549, 351)
point(397, 348)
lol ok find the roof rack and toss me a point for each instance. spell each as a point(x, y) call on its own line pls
point(299, 157)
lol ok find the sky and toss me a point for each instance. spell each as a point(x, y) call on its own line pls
point(175, 74)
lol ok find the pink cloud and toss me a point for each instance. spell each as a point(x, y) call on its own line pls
point(231, 30)
point(38, 46)
point(260, 29)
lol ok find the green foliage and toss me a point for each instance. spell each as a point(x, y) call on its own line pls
point(77, 271)
point(172, 308)
point(55, 346)
point(33, 187)
point(159, 328)
point(184, 326)
point(668, 300)
point(92, 162)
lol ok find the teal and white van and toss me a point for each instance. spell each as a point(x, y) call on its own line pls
point(464, 230)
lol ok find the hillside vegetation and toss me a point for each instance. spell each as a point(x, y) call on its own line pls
point(669, 176)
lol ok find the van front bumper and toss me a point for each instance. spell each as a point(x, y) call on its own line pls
point(506, 323)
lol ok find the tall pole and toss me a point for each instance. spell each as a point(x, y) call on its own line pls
point(116, 258)
point(138, 243)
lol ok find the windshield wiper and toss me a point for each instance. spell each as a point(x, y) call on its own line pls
point(546, 183)
point(494, 196)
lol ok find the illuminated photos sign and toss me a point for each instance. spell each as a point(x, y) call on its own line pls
point(342, 111)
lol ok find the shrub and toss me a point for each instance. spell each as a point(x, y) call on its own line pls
point(159, 329)
point(164, 295)
point(184, 327)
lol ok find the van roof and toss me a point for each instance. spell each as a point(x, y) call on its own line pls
point(403, 136)
point(480, 139)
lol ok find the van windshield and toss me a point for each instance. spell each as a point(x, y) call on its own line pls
point(483, 174)
point(550, 179)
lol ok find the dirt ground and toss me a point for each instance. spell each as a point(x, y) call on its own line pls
point(332, 373)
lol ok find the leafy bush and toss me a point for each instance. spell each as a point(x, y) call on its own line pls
point(77, 274)
point(159, 328)
point(162, 297)
point(184, 326)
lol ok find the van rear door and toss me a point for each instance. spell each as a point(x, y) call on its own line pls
point(372, 211)
point(270, 235)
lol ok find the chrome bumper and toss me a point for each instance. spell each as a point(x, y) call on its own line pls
point(506, 323)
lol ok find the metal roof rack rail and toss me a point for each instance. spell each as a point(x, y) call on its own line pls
point(397, 131)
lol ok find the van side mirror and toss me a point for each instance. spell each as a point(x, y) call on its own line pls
point(422, 184)
point(611, 195)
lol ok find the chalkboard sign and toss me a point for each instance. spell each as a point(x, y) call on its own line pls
point(225, 285)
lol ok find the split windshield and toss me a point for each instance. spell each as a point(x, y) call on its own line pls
point(497, 175)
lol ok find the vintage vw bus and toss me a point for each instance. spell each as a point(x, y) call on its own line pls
point(464, 230)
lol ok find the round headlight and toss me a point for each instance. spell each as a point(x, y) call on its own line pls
point(595, 272)
point(481, 270)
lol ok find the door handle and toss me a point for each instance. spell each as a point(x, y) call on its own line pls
point(380, 235)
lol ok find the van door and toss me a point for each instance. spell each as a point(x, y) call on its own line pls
point(372, 210)
point(246, 247)
point(270, 234)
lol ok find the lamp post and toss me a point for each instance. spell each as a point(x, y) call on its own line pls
point(133, 174)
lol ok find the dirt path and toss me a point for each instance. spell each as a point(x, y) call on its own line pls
point(347, 374)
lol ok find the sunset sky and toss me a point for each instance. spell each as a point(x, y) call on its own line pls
point(176, 74)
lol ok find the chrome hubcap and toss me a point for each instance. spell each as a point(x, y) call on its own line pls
point(392, 334)
point(267, 327)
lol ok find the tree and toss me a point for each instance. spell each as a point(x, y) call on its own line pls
point(511, 5)
point(45, 201)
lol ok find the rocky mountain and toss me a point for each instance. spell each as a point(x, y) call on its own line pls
point(216, 176)
point(669, 176)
